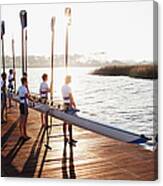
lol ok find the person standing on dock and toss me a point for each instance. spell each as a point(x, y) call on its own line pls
point(26, 76)
point(10, 86)
point(44, 90)
point(69, 104)
point(3, 96)
point(23, 97)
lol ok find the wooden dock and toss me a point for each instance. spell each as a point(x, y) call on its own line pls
point(94, 157)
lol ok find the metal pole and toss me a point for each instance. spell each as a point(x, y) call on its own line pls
point(14, 67)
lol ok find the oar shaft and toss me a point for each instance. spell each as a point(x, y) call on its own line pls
point(22, 51)
point(14, 66)
point(3, 55)
point(52, 56)
point(66, 49)
point(26, 56)
point(52, 65)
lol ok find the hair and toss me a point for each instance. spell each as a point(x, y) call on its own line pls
point(24, 74)
point(10, 71)
point(44, 77)
point(67, 79)
point(3, 75)
point(23, 80)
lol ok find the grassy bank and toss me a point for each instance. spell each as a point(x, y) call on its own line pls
point(144, 71)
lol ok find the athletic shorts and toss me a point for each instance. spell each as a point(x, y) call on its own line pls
point(44, 100)
point(66, 107)
point(23, 109)
point(3, 100)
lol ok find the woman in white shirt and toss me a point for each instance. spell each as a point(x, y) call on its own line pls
point(69, 103)
point(44, 90)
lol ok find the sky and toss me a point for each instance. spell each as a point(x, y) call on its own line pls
point(122, 30)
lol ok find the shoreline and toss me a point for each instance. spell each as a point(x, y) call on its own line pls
point(141, 71)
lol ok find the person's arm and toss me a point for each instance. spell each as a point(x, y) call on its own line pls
point(40, 89)
point(29, 97)
point(72, 102)
point(49, 88)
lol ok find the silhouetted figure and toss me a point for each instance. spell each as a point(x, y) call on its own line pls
point(3, 97)
point(69, 105)
point(10, 86)
point(44, 90)
point(23, 98)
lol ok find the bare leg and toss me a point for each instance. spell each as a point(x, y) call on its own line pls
point(9, 102)
point(3, 106)
point(2, 113)
point(21, 121)
point(72, 141)
point(25, 126)
point(70, 131)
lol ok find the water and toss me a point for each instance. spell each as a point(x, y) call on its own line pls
point(119, 101)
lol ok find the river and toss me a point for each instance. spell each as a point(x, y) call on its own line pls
point(119, 101)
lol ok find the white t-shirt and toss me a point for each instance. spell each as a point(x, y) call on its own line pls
point(44, 89)
point(2, 83)
point(10, 80)
point(10, 77)
point(66, 90)
point(22, 91)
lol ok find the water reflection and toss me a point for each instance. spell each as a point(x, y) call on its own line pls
point(68, 168)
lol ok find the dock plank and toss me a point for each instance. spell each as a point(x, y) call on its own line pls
point(94, 157)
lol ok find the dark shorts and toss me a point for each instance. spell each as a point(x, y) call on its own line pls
point(3, 100)
point(66, 107)
point(23, 109)
point(44, 100)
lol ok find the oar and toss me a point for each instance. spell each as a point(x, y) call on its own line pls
point(68, 23)
point(23, 20)
point(26, 55)
point(14, 66)
point(52, 78)
point(2, 35)
point(52, 57)
point(3, 59)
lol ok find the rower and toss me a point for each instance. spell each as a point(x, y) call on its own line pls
point(69, 106)
point(44, 90)
point(10, 86)
point(3, 96)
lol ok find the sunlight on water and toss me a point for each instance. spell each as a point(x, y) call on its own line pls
point(120, 101)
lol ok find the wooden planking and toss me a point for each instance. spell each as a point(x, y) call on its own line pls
point(94, 157)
